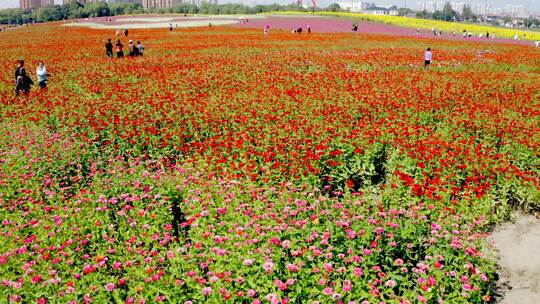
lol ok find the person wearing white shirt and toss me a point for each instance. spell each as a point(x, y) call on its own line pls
point(427, 58)
point(41, 72)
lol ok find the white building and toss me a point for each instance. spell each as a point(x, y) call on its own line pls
point(375, 10)
point(354, 6)
point(366, 8)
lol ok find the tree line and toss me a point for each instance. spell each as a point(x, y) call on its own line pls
point(75, 10)
point(466, 14)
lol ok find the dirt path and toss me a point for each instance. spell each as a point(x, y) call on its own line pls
point(518, 246)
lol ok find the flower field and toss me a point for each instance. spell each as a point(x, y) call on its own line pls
point(229, 166)
point(428, 24)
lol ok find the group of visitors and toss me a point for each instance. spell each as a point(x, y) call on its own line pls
point(124, 31)
point(133, 49)
point(23, 82)
point(299, 30)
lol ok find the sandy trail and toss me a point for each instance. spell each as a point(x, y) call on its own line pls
point(518, 246)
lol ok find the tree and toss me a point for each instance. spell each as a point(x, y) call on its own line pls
point(423, 15)
point(334, 7)
point(404, 11)
point(447, 12)
point(466, 12)
point(48, 13)
point(98, 9)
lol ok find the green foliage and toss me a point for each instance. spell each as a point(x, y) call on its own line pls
point(334, 7)
point(466, 12)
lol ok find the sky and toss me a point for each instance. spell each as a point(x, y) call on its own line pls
point(532, 4)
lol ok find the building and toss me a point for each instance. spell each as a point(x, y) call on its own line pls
point(30, 4)
point(157, 3)
point(83, 1)
point(367, 8)
point(354, 6)
point(376, 10)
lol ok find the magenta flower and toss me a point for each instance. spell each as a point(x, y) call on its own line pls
point(347, 286)
point(206, 291)
point(293, 268)
point(328, 291)
point(268, 266)
point(110, 286)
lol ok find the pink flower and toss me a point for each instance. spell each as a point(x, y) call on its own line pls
point(328, 291)
point(279, 284)
point(110, 286)
point(286, 244)
point(421, 299)
point(251, 293)
point(272, 298)
point(328, 267)
point(36, 279)
point(293, 268)
point(398, 262)
point(248, 262)
point(268, 266)
point(346, 286)
point(206, 291)
point(390, 283)
point(358, 272)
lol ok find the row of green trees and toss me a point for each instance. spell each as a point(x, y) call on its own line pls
point(67, 11)
point(466, 14)
point(100, 9)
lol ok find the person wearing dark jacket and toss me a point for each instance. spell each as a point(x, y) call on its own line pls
point(109, 48)
point(119, 49)
point(22, 80)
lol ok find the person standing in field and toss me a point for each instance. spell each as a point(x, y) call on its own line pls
point(131, 48)
point(266, 29)
point(140, 49)
point(119, 49)
point(109, 48)
point(41, 72)
point(428, 56)
point(22, 80)
point(126, 32)
point(309, 29)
